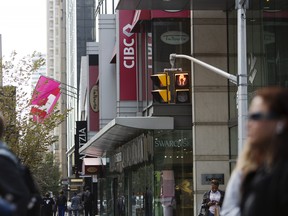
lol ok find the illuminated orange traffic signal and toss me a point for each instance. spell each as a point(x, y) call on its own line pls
point(182, 88)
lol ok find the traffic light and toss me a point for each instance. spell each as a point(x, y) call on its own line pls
point(161, 83)
point(182, 88)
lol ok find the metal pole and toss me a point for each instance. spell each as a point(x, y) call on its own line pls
point(228, 76)
point(241, 83)
point(242, 72)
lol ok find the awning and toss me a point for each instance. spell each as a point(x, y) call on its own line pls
point(121, 130)
point(139, 16)
point(91, 166)
point(176, 5)
point(197, 4)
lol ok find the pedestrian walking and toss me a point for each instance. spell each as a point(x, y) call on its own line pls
point(47, 205)
point(266, 107)
point(265, 189)
point(75, 204)
point(61, 203)
point(87, 200)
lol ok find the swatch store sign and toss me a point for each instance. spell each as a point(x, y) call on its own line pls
point(127, 55)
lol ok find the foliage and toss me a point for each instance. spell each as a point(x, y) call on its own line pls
point(29, 140)
point(48, 182)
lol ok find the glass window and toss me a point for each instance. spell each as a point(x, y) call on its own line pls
point(173, 178)
point(170, 36)
point(267, 56)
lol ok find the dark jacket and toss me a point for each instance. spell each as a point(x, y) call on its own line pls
point(47, 206)
point(12, 184)
point(265, 193)
point(206, 200)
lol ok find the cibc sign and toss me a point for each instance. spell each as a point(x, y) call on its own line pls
point(127, 56)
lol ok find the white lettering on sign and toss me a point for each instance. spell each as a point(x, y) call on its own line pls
point(129, 50)
point(172, 143)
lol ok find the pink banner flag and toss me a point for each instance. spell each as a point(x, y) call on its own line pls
point(44, 98)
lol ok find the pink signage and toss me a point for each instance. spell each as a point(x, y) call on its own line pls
point(44, 98)
point(127, 56)
point(94, 98)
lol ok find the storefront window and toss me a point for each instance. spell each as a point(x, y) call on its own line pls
point(173, 183)
point(170, 37)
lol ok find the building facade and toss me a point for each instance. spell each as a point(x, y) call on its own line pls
point(56, 69)
point(158, 158)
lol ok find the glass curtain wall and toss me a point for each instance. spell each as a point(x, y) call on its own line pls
point(267, 56)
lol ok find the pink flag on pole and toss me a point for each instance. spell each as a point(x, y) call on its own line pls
point(44, 98)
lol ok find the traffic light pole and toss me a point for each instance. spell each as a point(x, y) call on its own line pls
point(240, 80)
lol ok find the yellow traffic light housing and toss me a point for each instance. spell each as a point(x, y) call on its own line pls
point(161, 92)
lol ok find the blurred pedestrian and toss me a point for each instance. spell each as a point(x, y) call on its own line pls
point(265, 189)
point(55, 206)
point(75, 204)
point(14, 192)
point(254, 154)
point(213, 199)
point(87, 200)
point(47, 205)
point(61, 203)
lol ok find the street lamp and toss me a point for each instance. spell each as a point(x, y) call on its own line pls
point(241, 83)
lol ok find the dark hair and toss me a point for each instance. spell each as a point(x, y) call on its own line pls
point(276, 100)
point(215, 182)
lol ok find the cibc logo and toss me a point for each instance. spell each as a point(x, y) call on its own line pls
point(129, 50)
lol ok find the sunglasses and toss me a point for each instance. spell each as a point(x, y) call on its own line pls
point(262, 116)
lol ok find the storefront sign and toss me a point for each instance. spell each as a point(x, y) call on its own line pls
point(127, 56)
point(206, 178)
point(94, 98)
point(81, 132)
point(175, 37)
point(171, 143)
point(93, 117)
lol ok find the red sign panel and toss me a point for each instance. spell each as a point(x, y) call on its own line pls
point(127, 56)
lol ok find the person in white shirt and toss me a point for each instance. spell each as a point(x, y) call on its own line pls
point(213, 199)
